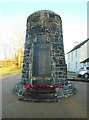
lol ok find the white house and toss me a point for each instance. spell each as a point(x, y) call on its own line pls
point(78, 56)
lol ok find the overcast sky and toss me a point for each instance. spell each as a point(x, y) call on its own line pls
point(14, 16)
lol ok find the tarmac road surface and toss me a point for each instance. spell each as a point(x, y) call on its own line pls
point(70, 107)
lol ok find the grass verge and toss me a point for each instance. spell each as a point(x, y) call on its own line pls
point(9, 70)
point(70, 72)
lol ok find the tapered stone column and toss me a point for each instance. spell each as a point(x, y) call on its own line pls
point(44, 26)
point(44, 72)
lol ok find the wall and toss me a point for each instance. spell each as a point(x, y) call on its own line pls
point(73, 60)
point(83, 54)
point(49, 24)
point(88, 52)
point(88, 48)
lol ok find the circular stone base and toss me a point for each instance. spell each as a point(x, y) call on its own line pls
point(52, 94)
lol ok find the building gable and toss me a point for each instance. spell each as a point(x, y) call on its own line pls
point(79, 45)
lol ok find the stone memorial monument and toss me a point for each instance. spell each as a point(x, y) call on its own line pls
point(44, 72)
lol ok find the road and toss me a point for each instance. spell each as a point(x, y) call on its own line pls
point(70, 107)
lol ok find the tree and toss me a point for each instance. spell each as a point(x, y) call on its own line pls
point(17, 44)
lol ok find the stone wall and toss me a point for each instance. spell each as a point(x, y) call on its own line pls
point(48, 23)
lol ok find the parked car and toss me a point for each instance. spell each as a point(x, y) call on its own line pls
point(83, 72)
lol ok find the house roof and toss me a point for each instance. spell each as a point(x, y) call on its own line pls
point(84, 61)
point(79, 45)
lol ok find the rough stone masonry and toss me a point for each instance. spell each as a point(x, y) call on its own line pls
point(44, 58)
point(44, 25)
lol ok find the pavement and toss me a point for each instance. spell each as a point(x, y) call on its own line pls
point(71, 107)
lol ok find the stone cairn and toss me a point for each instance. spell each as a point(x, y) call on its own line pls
point(56, 86)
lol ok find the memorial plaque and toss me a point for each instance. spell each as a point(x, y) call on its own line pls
point(41, 57)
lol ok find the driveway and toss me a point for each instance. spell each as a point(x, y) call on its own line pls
point(71, 107)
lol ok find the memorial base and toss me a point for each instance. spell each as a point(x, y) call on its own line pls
point(43, 93)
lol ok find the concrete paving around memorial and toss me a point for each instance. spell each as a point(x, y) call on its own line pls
point(70, 107)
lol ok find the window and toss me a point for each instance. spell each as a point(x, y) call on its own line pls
point(87, 68)
point(68, 56)
point(81, 68)
point(76, 53)
point(76, 65)
point(69, 65)
point(84, 64)
point(72, 56)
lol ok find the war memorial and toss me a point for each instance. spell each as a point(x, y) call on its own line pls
point(44, 72)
